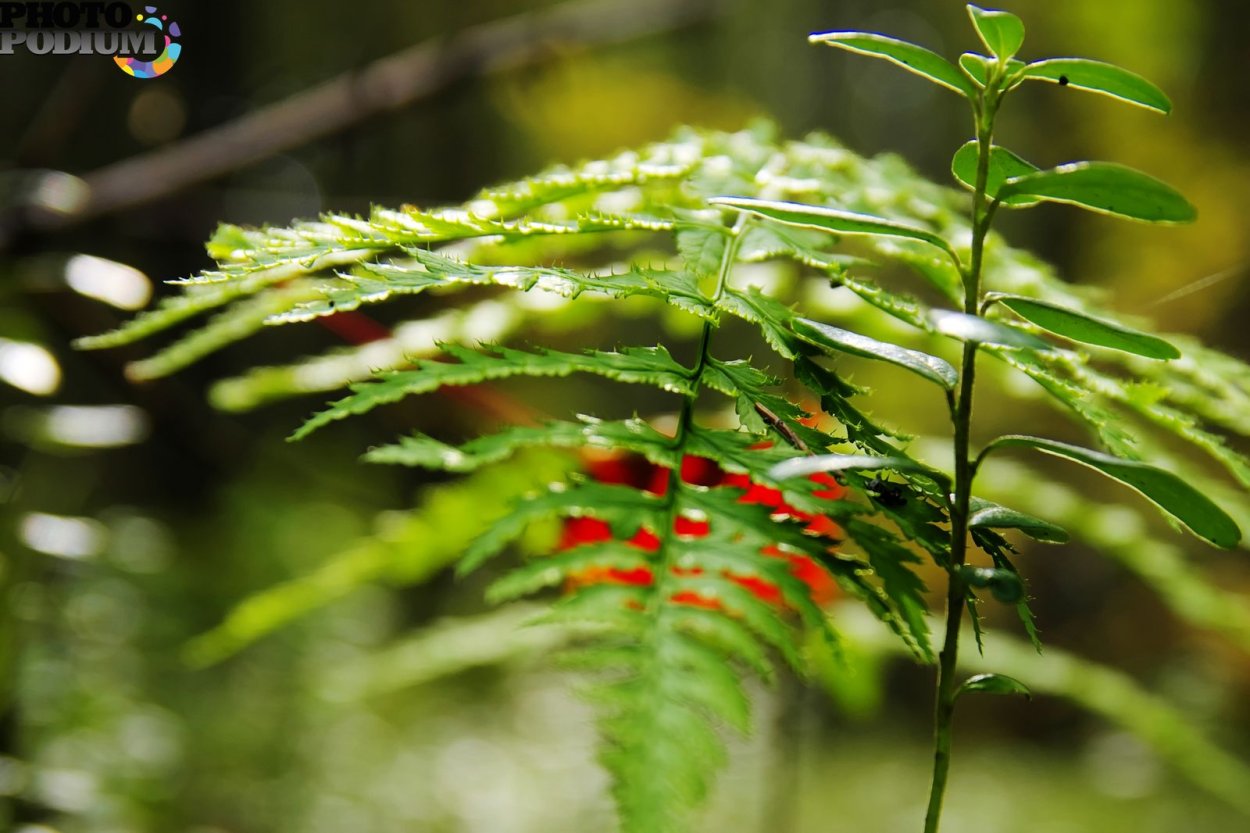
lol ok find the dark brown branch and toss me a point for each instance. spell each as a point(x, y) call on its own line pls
point(383, 86)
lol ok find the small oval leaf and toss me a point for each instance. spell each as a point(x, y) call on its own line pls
point(1086, 329)
point(973, 328)
point(832, 220)
point(1100, 77)
point(988, 515)
point(909, 56)
point(993, 684)
point(1167, 491)
point(1004, 165)
point(1106, 188)
point(975, 67)
point(1001, 32)
point(930, 367)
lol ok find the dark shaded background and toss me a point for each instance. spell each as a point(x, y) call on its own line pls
point(108, 730)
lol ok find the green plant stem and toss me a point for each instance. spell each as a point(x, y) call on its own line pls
point(686, 418)
point(957, 590)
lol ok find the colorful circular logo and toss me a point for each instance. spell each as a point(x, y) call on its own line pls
point(163, 62)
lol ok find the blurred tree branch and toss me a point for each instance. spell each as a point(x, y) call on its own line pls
point(52, 200)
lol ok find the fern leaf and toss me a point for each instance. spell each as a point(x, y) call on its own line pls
point(1205, 382)
point(665, 161)
point(686, 609)
point(625, 509)
point(835, 394)
point(179, 308)
point(805, 246)
point(998, 548)
point(890, 560)
point(903, 307)
point(305, 243)
point(1103, 422)
point(752, 389)
point(235, 283)
point(702, 250)
point(487, 321)
point(637, 365)
point(772, 317)
point(632, 435)
point(552, 570)
point(600, 609)
point(729, 636)
point(233, 324)
point(1177, 423)
point(380, 282)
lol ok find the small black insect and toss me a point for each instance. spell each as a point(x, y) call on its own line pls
point(888, 494)
point(1063, 80)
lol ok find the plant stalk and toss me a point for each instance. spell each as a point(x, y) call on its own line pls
point(957, 590)
point(686, 419)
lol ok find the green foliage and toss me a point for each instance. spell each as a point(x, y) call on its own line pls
point(1001, 32)
point(909, 56)
point(1100, 77)
point(1106, 188)
point(992, 516)
point(638, 365)
point(829, 219)
point(1086, 329)
point(936, 370)
point(1166, 490)
point(1003, 165)
point(685, 589)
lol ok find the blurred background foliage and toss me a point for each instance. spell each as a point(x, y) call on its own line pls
point(135, 517)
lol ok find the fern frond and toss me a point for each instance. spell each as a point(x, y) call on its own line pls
point(665, 162)
point(1105, 424)
point(677, 609)
point(1144, 401)
point(1205, 382)
point(889, 560)
point(632, 435)
point(772, 317)
point(637, 365)
point(233, 324)
point(624, 509)
point(376, 283)
point(488, 321)
point(753, 389)
point(554, 570)
point(179, 308)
